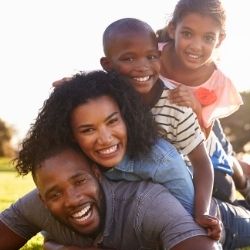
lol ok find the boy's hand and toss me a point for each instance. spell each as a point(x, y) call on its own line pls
point(212, 224)
point(61, 81)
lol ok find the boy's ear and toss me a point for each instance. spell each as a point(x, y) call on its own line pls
point(171, 30)
point(106, 64)
point(221, 39)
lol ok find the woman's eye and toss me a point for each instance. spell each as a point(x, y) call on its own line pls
point(87, 131)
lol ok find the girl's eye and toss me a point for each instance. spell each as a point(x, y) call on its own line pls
point(186, 34)
point(210, 39)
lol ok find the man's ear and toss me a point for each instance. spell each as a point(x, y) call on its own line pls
point(106, 64)
point(171, 30)
point(96, 170)
point(221, 39)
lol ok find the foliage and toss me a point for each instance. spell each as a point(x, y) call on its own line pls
point(6, 133)
point(237, 125)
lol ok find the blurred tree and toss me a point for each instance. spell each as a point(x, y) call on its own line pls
point(237, 125)
point(6, 133)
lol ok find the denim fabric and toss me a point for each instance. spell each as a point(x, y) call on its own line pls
point(162, 165)
point(220, 160)
point(218, 130)
point(236, 221)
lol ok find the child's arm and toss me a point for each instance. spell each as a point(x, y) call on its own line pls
point(203, 181)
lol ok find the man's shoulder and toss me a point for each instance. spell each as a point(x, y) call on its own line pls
point(127, 190)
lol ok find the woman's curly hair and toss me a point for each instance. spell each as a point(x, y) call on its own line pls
point(52, 127)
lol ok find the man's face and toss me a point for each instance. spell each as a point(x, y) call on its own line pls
point(71, 191)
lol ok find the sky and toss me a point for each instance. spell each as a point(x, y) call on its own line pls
point(45, 40)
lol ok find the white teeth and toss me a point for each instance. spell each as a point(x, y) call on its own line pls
point(81, 213)
point(193, 56)
point(142, 79)
point(108, 150)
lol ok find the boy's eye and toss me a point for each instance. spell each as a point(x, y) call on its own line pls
point(153, 57)
point(128, 59)
point(209, 39)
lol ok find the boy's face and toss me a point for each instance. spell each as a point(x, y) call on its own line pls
point(136, 57)
point(71, 191)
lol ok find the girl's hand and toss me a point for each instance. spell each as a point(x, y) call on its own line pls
point(212, 224)
point(183, 96)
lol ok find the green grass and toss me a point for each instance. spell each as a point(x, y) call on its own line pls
point(13, 187)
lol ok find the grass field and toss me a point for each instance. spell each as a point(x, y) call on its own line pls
point(13, 187)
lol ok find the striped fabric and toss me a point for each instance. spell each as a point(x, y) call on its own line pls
point(179, 124)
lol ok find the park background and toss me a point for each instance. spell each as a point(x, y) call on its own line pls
point(45, 40)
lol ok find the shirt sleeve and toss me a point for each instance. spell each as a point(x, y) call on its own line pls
point(19, 215)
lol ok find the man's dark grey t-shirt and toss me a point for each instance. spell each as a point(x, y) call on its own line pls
point(139, 215)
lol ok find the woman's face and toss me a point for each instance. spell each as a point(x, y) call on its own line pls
point(100, 131)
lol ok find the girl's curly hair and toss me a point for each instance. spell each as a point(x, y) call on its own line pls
point(52, 127)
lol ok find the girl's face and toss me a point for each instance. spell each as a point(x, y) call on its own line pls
point(195, 38)
point(100, 131)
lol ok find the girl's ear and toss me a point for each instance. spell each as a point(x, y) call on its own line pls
point(221, 38)
point(171, 30)
point(106, 64)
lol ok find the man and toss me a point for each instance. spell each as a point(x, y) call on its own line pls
point(87, 210)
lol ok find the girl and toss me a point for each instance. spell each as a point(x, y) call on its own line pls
point(188, 44)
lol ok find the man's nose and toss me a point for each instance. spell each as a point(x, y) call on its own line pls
point(72, 198)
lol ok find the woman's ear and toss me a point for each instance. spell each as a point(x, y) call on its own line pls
point(171, 30)
point(106, 64)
